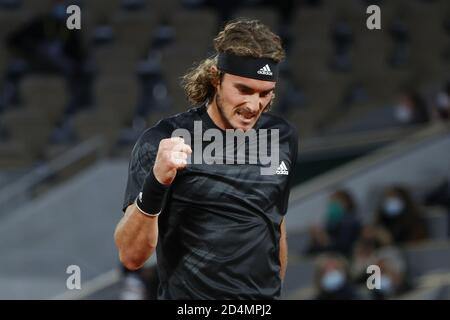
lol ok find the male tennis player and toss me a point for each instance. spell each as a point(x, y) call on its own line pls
point(212, 209)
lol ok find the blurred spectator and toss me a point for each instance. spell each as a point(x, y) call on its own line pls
point(442, 103)
point(400, 36)
point(332, 280)
point(45, 45)
point(364, 254)
point(400, 215)
point(393, 269)
point(342, 36)
point(375, 247)
point(411, 109)
point(342, 226)
point(440, 196)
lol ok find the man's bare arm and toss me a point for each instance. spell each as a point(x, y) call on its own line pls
point(136, 234)
point(283, 250)
point(136, 237)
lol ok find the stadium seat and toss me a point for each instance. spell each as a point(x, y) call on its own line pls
point(46, 95)
point(29, 127)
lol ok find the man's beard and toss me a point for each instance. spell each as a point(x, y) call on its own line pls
point(220, 108)
point(222, 114)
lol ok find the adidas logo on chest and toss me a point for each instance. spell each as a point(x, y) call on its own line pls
point(282, 169)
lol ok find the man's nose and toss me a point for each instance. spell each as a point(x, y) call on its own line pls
point(254, 103)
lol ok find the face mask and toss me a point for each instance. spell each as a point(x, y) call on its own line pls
point(332, 281)
point(335, 212)
point(393, 207)
point(386, 285)
point(403, 114)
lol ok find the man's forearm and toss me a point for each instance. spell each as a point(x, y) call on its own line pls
point(283, 251)
point(136, 237)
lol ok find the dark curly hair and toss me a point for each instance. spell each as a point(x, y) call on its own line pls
point(241, 37)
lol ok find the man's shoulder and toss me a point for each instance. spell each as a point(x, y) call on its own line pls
point(148, 142)
point(186, 118)
point(273, 121)
point(164, 127)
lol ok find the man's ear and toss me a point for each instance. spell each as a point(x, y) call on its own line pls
point(215, 76)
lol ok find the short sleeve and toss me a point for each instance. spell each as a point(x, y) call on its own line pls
point(143, 157)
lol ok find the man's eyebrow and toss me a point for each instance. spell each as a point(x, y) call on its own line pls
point(244, 87)
point(268, 90)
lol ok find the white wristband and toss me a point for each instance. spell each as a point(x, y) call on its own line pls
point(145, 213)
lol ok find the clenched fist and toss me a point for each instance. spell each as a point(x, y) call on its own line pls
point(172, 156)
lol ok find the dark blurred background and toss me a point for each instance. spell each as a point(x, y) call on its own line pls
point(372, 185)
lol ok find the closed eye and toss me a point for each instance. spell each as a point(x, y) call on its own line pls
point(265, 93)
point(245, 90)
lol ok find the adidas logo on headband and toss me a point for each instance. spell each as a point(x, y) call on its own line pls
point(248, 67)
point(265, 70)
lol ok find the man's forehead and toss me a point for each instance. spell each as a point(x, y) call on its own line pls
point(257, 85)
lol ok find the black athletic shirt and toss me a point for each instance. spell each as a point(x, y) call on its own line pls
point(219, 229)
